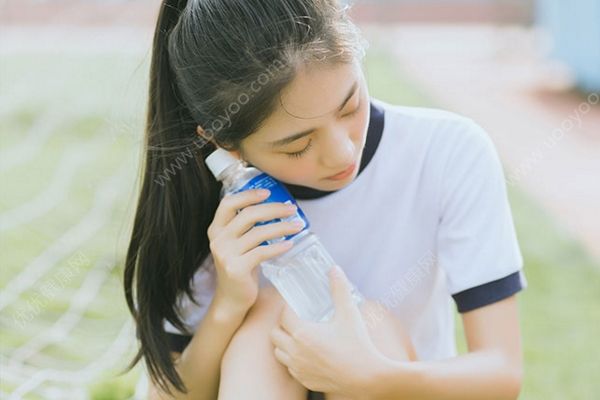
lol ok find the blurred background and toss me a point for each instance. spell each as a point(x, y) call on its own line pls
point(73, 82)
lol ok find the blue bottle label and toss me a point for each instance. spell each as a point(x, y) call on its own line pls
point(279, 193)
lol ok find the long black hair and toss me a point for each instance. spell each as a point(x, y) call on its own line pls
point(218, 65)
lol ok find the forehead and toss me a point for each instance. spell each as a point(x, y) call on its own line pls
point(316, 90)
point(314, 93)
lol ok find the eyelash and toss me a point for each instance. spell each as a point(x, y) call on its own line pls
point(300, 153)
point(351, 113)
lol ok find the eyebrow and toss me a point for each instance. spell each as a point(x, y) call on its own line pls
point(299, 135)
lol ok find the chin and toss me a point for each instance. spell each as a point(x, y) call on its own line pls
point(325, 184)
point(336, 185)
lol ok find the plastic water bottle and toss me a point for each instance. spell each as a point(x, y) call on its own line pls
point(301, 273)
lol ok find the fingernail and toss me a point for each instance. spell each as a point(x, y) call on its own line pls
point(264, 192)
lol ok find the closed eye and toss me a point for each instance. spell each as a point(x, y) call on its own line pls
point(353, 112)
point(300, 153)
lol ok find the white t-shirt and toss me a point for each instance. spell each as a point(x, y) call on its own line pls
point(427, 221)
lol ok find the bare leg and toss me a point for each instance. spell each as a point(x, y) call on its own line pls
point(249, 369)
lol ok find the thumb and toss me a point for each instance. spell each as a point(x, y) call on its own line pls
point(341, 293)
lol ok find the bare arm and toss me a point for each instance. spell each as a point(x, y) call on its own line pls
point(200, 363)
point(492, 369)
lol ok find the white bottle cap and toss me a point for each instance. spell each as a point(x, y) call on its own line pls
point(219, 160)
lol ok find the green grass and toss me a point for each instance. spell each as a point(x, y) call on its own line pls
point(104, 96)
point(79, 99)
point(560, 310)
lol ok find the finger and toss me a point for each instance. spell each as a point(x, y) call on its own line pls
point(229, 205)
point(294, 374)
point(262, 253)
point(251, 215)
point(282, 340)
point(341, 293)
point(290, 322)
point(260, 234)
point(283, 357)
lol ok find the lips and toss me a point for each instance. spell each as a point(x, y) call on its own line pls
point(344, 173)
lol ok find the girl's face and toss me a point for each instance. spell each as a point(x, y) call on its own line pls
point(317, 130)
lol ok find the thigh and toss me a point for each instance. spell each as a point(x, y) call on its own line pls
point(249, 370)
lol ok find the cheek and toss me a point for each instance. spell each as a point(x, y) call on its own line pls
point(297, 172)
point(294, 171)
point(360, 123)
point(359, 128)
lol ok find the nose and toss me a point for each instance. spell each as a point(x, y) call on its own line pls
point(338, 150)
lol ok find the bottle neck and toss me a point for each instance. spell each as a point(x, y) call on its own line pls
point(232, 173)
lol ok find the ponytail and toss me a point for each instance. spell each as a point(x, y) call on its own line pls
point(174, 209)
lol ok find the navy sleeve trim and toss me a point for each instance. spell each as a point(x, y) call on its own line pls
point(178, 342)
point(488, 293)
point(315, 395)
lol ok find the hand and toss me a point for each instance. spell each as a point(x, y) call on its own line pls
point(333, 357)
point(235, 244)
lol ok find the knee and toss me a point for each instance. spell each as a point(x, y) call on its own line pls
point(265, 310)
point(249, 369)
point(257, 325)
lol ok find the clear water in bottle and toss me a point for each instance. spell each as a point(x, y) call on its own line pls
point(301, 273)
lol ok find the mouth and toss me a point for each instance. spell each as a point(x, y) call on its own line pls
point(343, 174)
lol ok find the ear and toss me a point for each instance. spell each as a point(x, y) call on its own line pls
point(209, 138)
point(205, 135)
point(236, 154)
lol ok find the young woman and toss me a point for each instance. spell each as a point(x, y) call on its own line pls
point(410, 202)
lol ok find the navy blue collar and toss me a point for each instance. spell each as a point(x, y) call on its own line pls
point(374, 133)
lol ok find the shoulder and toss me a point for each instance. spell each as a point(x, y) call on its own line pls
point(442, 136)
point(443, 125)
point(422, 114)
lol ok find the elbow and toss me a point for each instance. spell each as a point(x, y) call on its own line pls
point(508, 376)
point(513, 380)
point(514, 383)
point(517, 383)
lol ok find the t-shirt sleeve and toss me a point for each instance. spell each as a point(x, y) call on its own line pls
point(477, 243)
